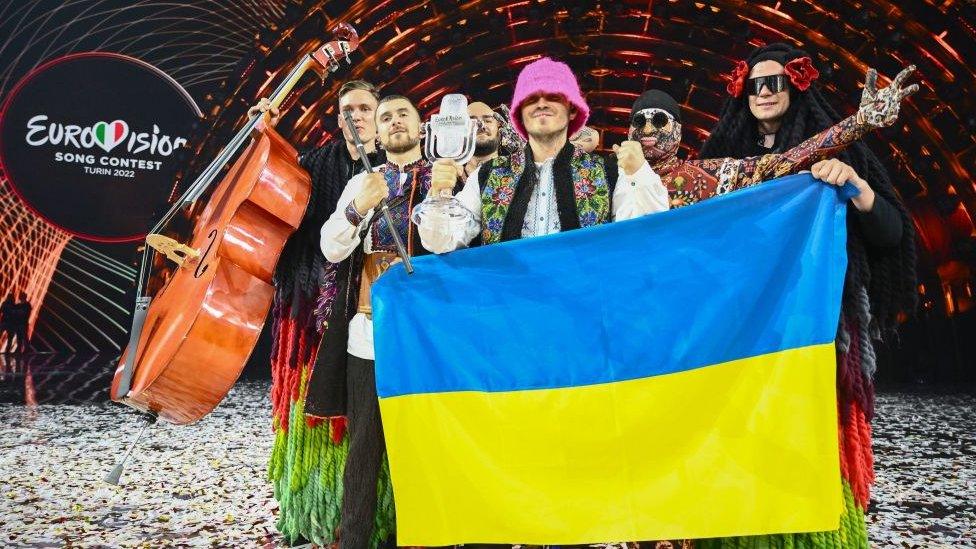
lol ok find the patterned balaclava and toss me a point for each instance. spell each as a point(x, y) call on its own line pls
point(655, 122)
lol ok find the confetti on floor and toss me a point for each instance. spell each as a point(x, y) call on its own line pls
point(205, 485)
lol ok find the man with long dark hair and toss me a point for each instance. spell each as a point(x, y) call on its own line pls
point(775, 105)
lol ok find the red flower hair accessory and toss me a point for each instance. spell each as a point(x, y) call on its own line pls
point(738, 79)
point(801, 72)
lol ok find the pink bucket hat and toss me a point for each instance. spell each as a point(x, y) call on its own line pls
point(548, 76)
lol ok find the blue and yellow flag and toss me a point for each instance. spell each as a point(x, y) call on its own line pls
point(666, 377)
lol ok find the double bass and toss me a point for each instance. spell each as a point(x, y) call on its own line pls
point(190, 342)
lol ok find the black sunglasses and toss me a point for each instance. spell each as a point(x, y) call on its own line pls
point(658, 118)
point(775, 82)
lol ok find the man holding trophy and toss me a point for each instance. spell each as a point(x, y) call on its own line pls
point(357, 233)
point(550, 186)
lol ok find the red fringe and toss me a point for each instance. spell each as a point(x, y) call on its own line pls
point(857, 458)
point(855, 394)
point(293, 349)
point(337, 425)
point(844, 470)
point(300, 362)
point(867, 457)
point(281, 373)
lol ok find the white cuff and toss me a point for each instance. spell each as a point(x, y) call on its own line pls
point(639, 194)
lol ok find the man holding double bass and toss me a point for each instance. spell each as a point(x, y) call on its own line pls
point(306, 287)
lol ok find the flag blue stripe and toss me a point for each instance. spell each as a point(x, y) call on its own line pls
point(753, 272)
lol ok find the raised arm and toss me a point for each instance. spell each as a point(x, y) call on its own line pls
point(878, 109)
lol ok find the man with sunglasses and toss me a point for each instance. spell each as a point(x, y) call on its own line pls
point(656, 124)
point(769, 98)
point(775, 101)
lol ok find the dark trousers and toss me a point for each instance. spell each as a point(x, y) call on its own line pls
point(366, 448)
point(20, 332)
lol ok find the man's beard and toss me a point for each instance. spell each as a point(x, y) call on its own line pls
point(401, 147)
point(548, 136)
point(487, 146)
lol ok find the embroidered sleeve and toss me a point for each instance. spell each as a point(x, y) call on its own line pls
point(723, 175)
point(353, 215)
point(728, 175)
point(823, 145)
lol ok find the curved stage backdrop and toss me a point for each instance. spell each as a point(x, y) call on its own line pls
point(94, 147)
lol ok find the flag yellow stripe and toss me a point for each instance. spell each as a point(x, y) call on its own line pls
point(744, 447)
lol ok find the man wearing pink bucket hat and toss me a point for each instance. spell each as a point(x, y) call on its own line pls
point(550, 185)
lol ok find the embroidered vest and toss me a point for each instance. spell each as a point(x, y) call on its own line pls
point(589, 186)
point(403, 197)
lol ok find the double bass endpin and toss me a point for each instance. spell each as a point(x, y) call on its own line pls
point(113, 477)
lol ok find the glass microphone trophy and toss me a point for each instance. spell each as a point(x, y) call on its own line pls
point(450, 135)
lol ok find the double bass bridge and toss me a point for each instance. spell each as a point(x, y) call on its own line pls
point(179, 253)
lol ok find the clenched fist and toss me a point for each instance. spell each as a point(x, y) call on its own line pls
point(630, 156)
point(443, 177)
point(263, 106)
point(373, 192)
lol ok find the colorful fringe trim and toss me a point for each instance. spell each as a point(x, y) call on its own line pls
point(309, 455)
point(852, 534)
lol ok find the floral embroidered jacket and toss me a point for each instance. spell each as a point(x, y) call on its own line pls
point(590, 186)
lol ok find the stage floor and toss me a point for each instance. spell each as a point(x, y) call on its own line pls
point(204, 485)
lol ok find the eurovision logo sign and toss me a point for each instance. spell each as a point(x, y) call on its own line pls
point(90, 142)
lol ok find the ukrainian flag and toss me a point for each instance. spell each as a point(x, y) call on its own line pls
point(665, 377)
